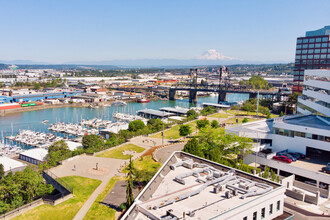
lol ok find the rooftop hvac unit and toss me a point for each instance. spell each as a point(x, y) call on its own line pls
point(228, 195)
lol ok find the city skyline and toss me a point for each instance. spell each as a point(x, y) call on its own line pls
point(85, 32)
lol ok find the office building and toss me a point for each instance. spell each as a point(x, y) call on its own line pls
point(312, 52)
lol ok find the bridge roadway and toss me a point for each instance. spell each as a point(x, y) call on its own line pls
point(211, 88)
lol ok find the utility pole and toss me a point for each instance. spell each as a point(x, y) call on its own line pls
point(257, 103)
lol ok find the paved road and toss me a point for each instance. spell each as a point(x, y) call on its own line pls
point(163, 154)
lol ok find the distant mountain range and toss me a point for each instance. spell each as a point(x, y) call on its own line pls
point(210, 57)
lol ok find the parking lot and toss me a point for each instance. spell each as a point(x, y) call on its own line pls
point(310, 163)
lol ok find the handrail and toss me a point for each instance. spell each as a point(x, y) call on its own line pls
point(59, 180)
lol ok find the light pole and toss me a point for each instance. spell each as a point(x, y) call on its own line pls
point(257, 103)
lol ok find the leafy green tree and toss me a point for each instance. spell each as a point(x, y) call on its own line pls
point(281, 114)
point(185, 130)
point(214, 124)
point(193, 147)
point(155, 124)
point(129, 187)
point(2, 171)
point(36, 86)
point(202, 123)
point(57, 152)
point(136, 125)
point(191, 114)
point(245, 120)
point(208, 110)
point(92, 141)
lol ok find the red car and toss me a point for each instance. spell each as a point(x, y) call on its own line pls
point(283, 158)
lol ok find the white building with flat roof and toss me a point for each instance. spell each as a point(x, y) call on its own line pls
point(11, 165)
point(190, 187)
point(34, 156)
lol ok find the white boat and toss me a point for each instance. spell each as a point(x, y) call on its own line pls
point(118, 102)
point(45, 121)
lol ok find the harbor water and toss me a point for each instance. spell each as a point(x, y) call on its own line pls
point(12, 123)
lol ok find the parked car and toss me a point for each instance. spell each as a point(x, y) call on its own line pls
point(326, 169)
point(301, 155)
point(296, 155)
point(282, 158)
point(287, 155)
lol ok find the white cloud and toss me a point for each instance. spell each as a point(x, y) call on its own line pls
point(213, 54)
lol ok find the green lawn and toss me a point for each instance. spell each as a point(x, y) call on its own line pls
point(219, 115)
point(173, 132)
point(233, 120)
point(117, 153)
point(243, 113)
point(146, 164)
point(82, 188)
point(99, 211)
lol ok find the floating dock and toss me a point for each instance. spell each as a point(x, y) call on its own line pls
point(151, 113)
point(177, 111)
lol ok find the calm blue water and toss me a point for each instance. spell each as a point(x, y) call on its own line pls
point(32, 120)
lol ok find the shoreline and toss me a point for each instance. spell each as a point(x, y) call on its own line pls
point(3, 113)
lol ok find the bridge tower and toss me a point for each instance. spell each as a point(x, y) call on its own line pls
point(193, 85)
point(222, 90)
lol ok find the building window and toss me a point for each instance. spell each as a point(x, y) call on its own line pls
point(317, 45)
point(263, 213)
point(270, 209)
point(324, 45)
point(278, 205)
point(312, 40)
point(311, 46)
point(323, 56)
point(299, 41)
point(298, 52)
point(318, 39)
point(304, 51)
point(325, 39)
point(298, 46)
point(310, 56)
point(316, 56)
point(305, 46)
point(254, 215)
point(317, 50)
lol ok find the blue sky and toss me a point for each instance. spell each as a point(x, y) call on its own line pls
point(95, 30)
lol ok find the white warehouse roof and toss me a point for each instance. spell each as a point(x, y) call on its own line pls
point(37, 153)
point(10, 164)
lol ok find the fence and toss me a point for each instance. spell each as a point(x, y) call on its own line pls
point(22, 209)
point(59, 180)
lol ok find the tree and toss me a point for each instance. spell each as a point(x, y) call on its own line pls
point(57, 152)
point(136, 125)
point(2, 171)
point(129, 187)
point(245, 120)
point(202, 123)
point(214, 124)
point(92, 141)
point(36, 86)
point(193, 147)
point(155, 124)
point(185, 130)
point(191, 114)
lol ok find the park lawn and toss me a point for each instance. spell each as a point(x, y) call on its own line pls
point(99, 211)
point(117, 153)
point(145, 163)
point(219, 115)
point(82, 188)
point(243, 113)
point(240, 120)
point(173, 132)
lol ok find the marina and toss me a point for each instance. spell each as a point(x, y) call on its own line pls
point(35, 139)
point(72, 129)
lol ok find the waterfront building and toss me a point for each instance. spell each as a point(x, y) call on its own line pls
point(35, 156)
point(312, 52)
point(190, 187)
point(11, 165)
point(316, 93)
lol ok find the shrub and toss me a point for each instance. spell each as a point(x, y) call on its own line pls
point(245, 120)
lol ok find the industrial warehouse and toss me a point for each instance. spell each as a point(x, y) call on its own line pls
point(190, 187)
